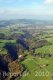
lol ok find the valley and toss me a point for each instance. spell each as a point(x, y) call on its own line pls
point(26, 53)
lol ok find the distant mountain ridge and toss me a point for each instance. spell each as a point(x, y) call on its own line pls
point(28, 22)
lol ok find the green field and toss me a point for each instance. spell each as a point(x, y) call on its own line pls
point(35, 72)
point(37, 66)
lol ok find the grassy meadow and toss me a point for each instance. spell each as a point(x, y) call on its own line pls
point(37, 68)
point(36, 65)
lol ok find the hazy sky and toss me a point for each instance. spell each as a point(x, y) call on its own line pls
point(35, 9)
